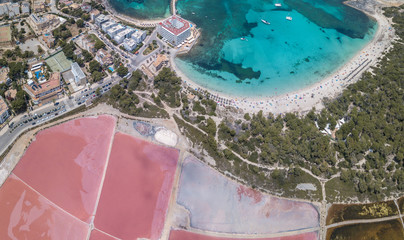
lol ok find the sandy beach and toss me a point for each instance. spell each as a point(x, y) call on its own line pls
point(137, 22)
point(305, 99)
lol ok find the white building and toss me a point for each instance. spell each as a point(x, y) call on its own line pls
point(79, 76)
point(4, 113)
point(4, 8)
point(94, 14)
point(13, 9)
point(129, 44)
point(115, 30)
point(174, 29)
point(107, 25)
point(25, 7)
point(101, 19)
point(124, 34)
point(138, 36)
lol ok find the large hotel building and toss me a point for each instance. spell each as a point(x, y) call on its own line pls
point(45, 92)
point(174, 29)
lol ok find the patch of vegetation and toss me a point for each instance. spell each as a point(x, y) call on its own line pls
point(345, 212)
point(168, 85)
point(128, 102)
point(392, 230)
point(150, 48)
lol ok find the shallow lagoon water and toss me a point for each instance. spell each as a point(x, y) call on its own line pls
point(142, 9)
point(274, 59)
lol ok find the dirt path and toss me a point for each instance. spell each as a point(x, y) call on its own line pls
point(350, 222)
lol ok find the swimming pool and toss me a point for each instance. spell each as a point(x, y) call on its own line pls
point(38, 74)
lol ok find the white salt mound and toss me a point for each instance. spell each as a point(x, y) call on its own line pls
point(166, 137)
point(3, 176)
point(306, 186)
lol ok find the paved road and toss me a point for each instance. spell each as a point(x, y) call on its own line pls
point(49, 111)
point(140, 58)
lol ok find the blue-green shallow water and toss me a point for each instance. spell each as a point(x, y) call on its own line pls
point(142, 9)
point(277, 58)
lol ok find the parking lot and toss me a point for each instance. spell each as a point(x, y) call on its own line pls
point(90, 94)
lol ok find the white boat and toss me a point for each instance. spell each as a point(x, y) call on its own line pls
point(278, 5)
point(244, 39)
point(289, 18)
point(265, 22)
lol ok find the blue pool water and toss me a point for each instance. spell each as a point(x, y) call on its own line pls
point(39, 74)
point(277, 58)
point(111, 68)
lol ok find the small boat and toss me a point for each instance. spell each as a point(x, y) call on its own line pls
point(278, 5)
point(265, 22)
point(244, 39)
point(193, 13)
point(289, 18)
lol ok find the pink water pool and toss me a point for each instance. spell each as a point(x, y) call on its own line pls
point(218, 204)
point(137, 189)
point(185, 235)
point(25, 214)
point(66, 162)
point(98, 235)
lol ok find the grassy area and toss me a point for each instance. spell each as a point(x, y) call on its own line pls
point(153, 111)
point(400, 203)
point(337, 190)
point(94, 37)
point(150, 48)
point(391, 230)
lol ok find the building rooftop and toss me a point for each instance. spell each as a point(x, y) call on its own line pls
point(175, 25)
point(95, 12)
point(11, 93)
point(125, 32)
point(130, 42)
point(53, 82)
point(3, 74)
point(138, 33)
point(108, 23)
point(76, 69)
point(3, 106)
point(37, 19)
point(160, 58)
point(116, 28)
point(102, 17)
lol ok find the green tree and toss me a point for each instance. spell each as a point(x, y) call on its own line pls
point(94, 66)
point(80, 23)
point(122, 71)
point(99, 44)
point(40, 50)
point(97, 76)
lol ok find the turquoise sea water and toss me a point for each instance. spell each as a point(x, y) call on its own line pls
point(142, 9)
point(274, 59)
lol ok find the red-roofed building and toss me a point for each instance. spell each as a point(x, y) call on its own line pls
point(174, 29)
point(45, 92)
